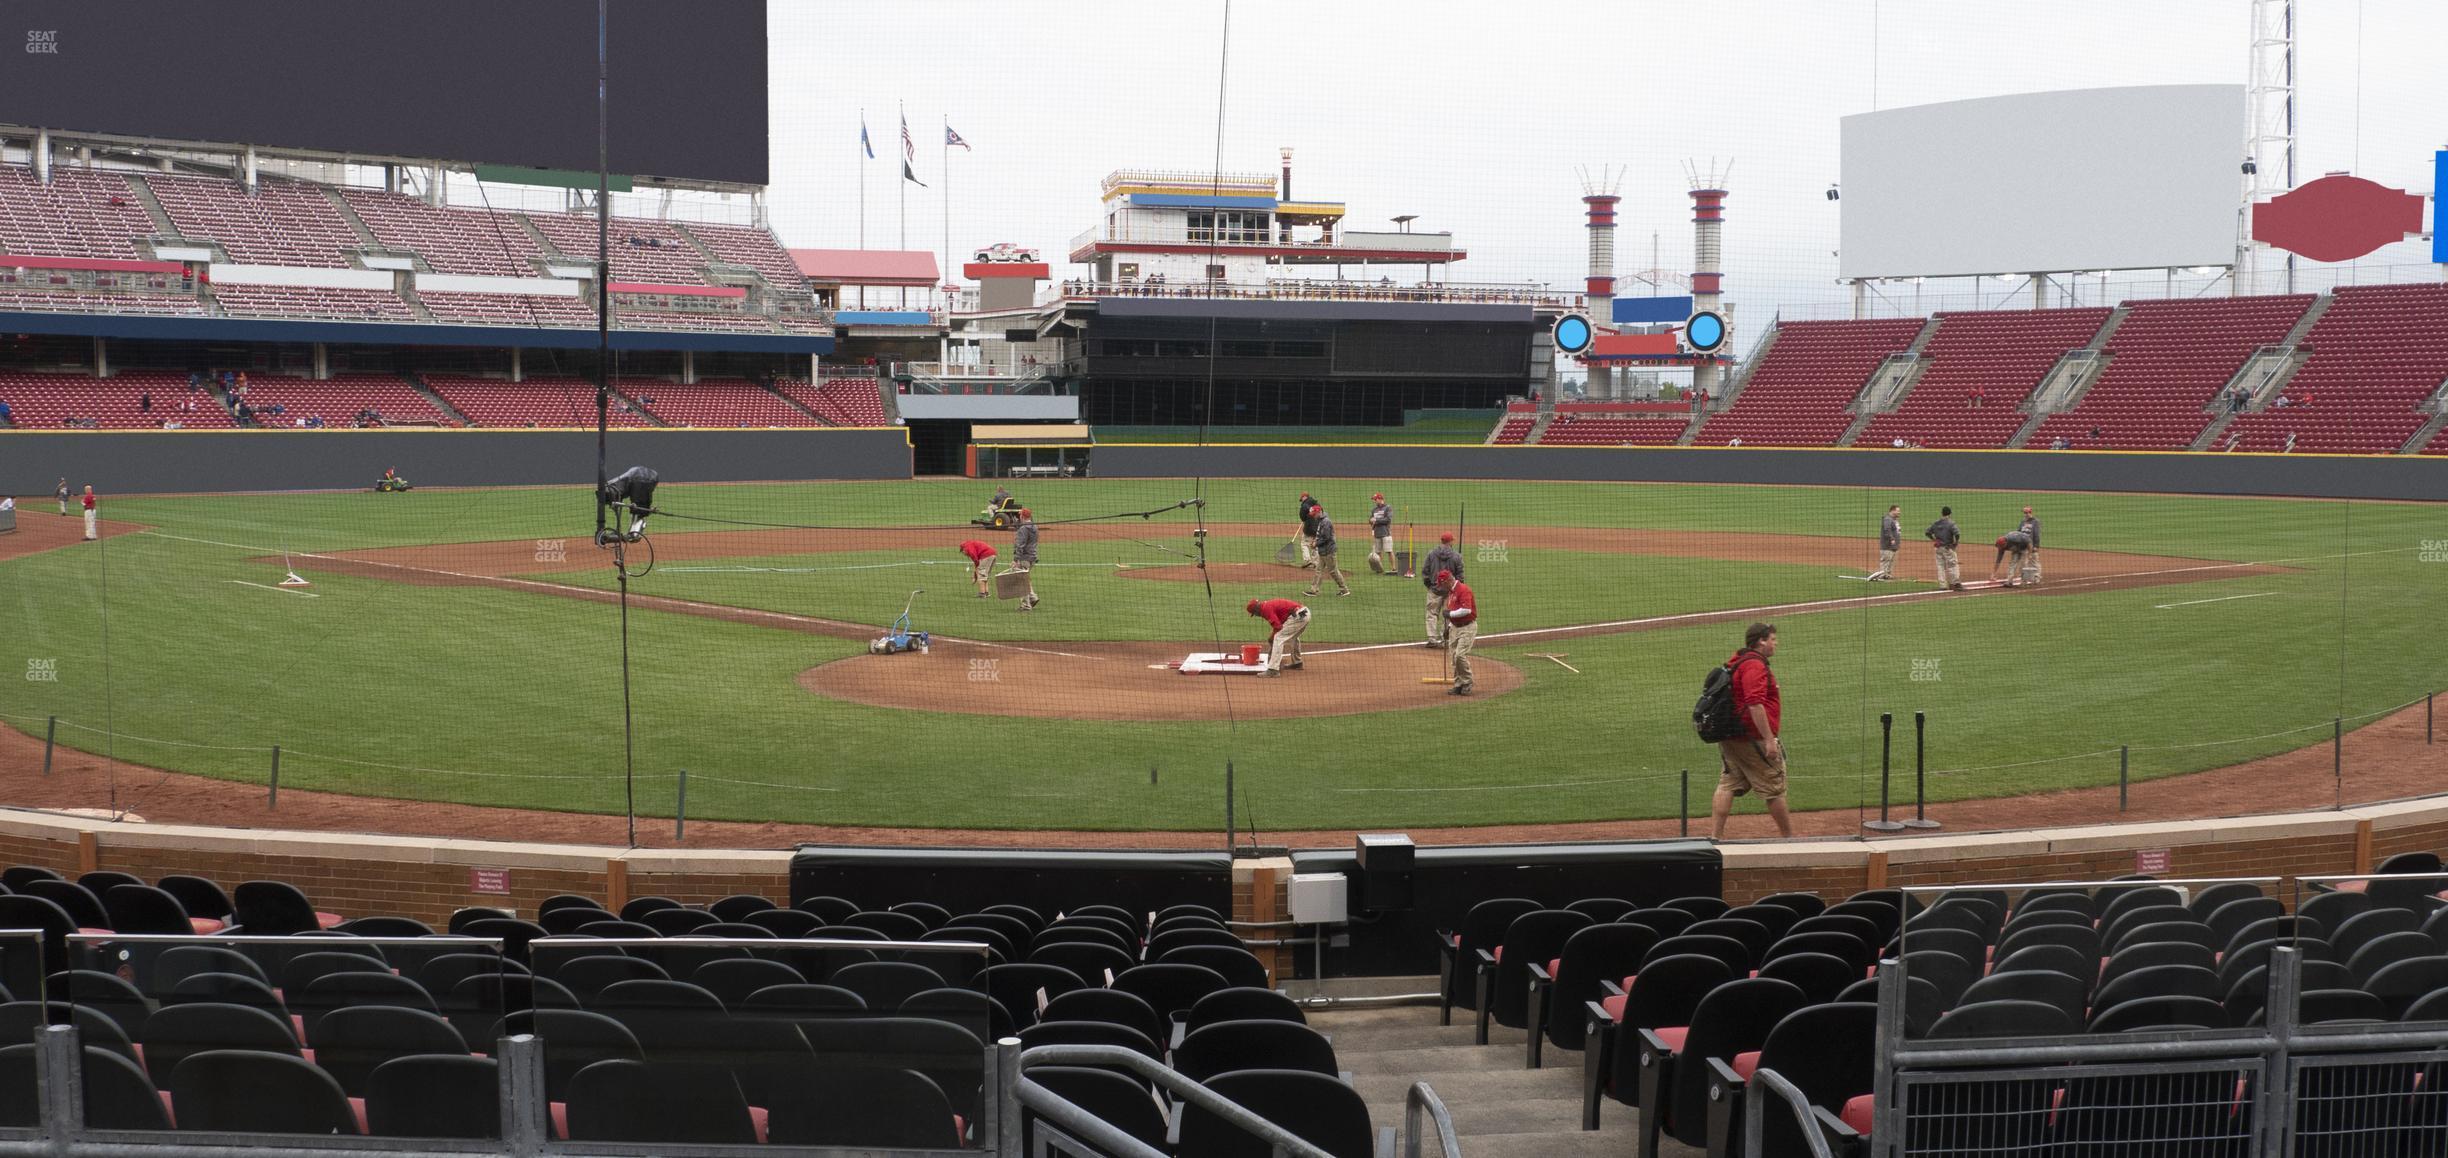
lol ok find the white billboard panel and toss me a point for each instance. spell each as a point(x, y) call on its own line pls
point(2102, 178)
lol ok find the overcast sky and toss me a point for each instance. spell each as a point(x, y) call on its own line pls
point(1475, 116)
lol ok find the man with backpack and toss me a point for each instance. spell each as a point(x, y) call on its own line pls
point(1741, 710)
point(1945, 537)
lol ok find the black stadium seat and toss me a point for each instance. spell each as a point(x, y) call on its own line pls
point(253, 1091)
point(434, 1096)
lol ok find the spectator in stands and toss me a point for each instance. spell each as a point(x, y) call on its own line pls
point(2057, 443)
point(195, 381)
point(2282, 403)
point(144, 402)
point(5, 420)
point(1754, 762)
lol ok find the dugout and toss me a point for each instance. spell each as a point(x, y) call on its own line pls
point(1044, 450)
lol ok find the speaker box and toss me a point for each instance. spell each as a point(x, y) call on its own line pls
point(1383, 880)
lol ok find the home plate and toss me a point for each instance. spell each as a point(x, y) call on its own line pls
point(1217, 663)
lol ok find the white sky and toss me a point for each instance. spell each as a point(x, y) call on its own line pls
point(1475, 115)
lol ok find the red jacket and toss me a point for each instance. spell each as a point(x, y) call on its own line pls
point(1275, 611)
point(89, 502)
point(1755, 684)
point(1461, 599)
point(977, 551)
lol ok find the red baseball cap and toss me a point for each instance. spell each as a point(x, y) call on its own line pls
point(1024, 512)
point(2027, 510)
point(1377, 498)
point(1315, 509)
point(2001, 540)
point(1447, 537)
point(1444, 577)
point(1253, 607)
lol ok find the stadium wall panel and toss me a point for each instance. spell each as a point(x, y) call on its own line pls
point(2405, 477)
point(200, 461)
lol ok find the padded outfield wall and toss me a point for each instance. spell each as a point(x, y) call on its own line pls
point(206, 462)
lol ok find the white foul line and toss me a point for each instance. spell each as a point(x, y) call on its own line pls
point(282, 590)
point(2220, 599)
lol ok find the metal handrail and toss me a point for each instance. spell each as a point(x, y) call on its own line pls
point(1071, 1117)
point(1423, 1099)
point(1755, 1114)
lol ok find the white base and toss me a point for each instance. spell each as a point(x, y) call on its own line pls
point(1217, 663)
point(294, 580)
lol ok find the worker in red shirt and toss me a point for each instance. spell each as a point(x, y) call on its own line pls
point(981, 562)
point(1755, 761)
point(92, 527)
point(1461, 629)
point(1287, 620)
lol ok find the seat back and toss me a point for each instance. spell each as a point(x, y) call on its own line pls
point(257, 1091)
point(1240, 1045)
point(1314, 1107)
point(635, 1101)
point(434, 1096)
point(349, 1043)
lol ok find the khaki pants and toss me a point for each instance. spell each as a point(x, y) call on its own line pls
point(1436, 617)
point(1328, 568)
point(981, 571)
point(1949, 574)
point(1308, 544)
point(89, 524)
point(1886, 567)
point(1023, 567)
point(1286, 645)
point(1458, 643)
point(1381, 553)
point(2031, 565)
point(1746, 769)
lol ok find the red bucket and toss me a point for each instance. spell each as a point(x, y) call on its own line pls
point(1249, 654)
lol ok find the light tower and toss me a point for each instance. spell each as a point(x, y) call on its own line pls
point(1599, 198)
point(2269, 144)
point(1708, 194)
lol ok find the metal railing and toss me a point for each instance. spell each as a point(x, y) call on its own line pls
point(2280, 1090)
point(1791, 1100)
point(1295, 289)
point(1038, 1099)
point(1424, 1102)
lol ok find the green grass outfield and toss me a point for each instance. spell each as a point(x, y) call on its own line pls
point(485, 695)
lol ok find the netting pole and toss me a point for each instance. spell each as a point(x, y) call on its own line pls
point(1228, 809)
point(2427, 716)
point(680, 811)
point(1886, 753)
point(1683, 805)
point(272, 786)
point(2337, 756)
point(50, 737)
point(2124, 761)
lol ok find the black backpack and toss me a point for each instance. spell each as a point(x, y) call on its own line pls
point(1713, 716)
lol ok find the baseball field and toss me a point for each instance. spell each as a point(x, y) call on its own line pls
point(466, 646)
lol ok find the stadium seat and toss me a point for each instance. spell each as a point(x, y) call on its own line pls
point(640, 1101)
point(434, 1096)
point(350, 1042)
point(118, 1095)
point(1314, 1107)
point(1227, 1046)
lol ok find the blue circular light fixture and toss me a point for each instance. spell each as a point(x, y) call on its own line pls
point(1704, 332)
point(1572, 333)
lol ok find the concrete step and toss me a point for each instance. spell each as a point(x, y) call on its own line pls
point(1500, 1109)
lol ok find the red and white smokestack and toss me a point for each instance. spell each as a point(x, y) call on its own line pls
point(1708, 276)
point(1286, 193)
point(1601, 285)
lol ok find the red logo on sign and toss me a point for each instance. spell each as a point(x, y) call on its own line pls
point(2337, 218)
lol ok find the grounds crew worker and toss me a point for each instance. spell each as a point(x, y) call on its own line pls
point(2012, 548)
point(60, 492)
point(1441, 559)
point(1024, 556)
point(1287, 620)
point(1327, 567)
point(1308, 530)
point(636, 487)
point(92, 531)
point(1754, 762)
point(1945, 537)
point(981, 562)
point(1891, 539)
point(1462, 629)
point(2030, 530)
point(1381, 534)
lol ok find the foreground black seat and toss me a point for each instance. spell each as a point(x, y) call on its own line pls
point(873, 1107)
point(1314, 1107)
point(176, 1032)
point(434, 1096)
point(258, 1092)
point(1482, 928)
point(1562, 988)
point(1120, 1100)
point(631, 1101)
point(118, 1095)
point(1826, 1052)
point(351, 1043)
point(1501, 973)
point(1733, 1019)
point(1242, 1003)
point(1242, 1045)
point(1113, 1006)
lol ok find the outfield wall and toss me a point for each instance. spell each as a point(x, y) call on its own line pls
point(204, 461)
point(427, 878)
point(2294, 476)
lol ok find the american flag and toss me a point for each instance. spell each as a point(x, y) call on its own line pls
point(909, 148)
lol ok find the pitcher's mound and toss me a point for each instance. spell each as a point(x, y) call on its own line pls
point(1129, 681)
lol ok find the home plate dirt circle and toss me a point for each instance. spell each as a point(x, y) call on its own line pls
point(1128, 681)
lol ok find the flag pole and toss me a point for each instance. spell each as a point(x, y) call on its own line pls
point(904, 226)
point(866, 154)
point(947, 217)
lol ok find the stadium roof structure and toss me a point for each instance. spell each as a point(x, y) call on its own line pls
point(885, 267)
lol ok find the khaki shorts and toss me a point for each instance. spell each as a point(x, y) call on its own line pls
point(1747, 769)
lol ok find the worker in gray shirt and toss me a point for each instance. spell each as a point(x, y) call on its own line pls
point(1024, 558)
point(1381, 536)
point(2030, 530)
point(1891, 539)
point(1322, 529)
point(1442, 558)
point(1945, 537)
